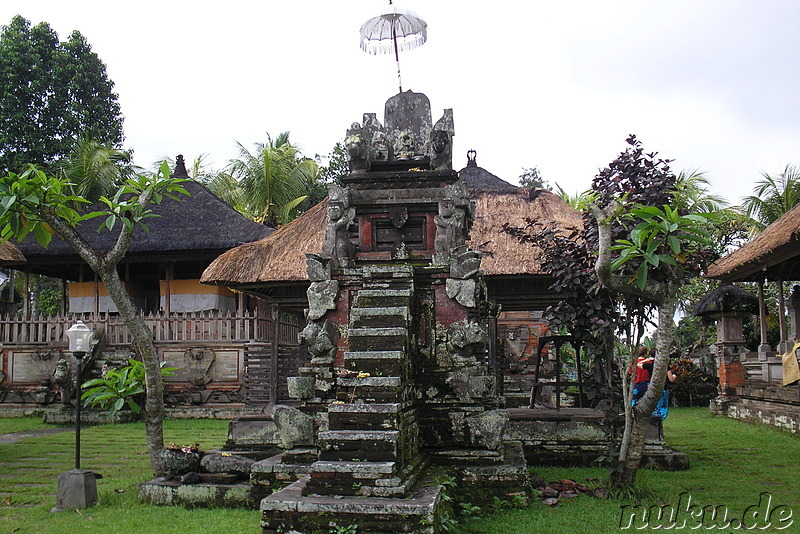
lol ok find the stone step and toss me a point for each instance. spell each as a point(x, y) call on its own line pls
point(389, 316)
point(292, 509)
point(387, 271)
point(362, 416)
point(330, 477)
point(359, 445)
point(377, 339)
point(380, 389)
point(381, 298)
point(377, 362)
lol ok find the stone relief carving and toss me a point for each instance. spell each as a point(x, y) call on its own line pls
point(466, 340)
point(449, 231)
point(321, 298)
point(320, 342)
point(318, 267)
point(198, 361)
point(337, 245)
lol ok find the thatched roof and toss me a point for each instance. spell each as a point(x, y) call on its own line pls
point(728, 299)
point(281, 256)
point(505, 255)
point(197, 226)
point(776, 249)
point(10, 255)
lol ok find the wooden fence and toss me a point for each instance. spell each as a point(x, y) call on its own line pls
point(183, 327)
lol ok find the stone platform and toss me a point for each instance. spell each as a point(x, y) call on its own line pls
point(163, 491)
point(289, 510)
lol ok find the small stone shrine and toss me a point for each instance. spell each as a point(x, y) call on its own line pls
point(403, 382)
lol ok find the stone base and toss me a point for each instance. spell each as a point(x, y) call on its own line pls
point(662, 458)
point(768, 404)
point(290, 511)
point(77, 488)
point(163, 491)
point(506, 479)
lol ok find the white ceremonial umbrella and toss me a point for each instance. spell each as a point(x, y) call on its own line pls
point(398, 30)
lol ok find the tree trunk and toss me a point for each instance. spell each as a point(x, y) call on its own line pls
point(144, 346)
point(630, 458)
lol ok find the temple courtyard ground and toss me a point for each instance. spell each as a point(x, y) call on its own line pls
point(744, 470)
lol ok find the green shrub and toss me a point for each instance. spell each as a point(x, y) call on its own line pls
point(118, 387)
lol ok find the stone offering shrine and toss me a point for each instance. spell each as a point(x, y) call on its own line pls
point(403, 382)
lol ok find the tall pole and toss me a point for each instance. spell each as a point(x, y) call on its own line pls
point(78, 357)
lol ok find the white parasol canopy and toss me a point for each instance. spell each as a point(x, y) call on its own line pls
point(391, 32)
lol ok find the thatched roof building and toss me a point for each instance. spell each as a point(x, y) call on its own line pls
point(194, 229)
point(513, 272)
point(772, 254)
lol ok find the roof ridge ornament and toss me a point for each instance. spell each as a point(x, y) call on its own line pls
point(471, 158)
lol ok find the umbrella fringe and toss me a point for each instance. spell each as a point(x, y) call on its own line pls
point(386, 46)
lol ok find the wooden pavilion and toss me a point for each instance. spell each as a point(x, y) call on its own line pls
point(752, 385)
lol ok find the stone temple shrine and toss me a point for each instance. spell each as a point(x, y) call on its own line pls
point(403, 382)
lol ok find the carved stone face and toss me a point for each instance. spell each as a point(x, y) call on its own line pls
point(439, 141)
point(446, 208)
point(335, 212)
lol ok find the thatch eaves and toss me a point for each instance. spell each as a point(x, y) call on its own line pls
point(10, 255)
point(201, 221)
point(772, 254)
point(281, 257)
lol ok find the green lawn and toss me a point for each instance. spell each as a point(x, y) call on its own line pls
point(732, 463)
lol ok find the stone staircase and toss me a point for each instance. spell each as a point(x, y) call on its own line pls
point(371, 445)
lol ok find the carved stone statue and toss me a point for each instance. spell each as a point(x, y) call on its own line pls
point(357, 150)
point(404, 148)
point(379, 150)
point(466, 340)
point(62, 375)
point(441, 152)
point(319, 341)
point(449, 231)
point(337, 245)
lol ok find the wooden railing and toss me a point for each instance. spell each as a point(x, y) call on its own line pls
point(180, 327)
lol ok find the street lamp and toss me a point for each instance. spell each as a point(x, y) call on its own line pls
point(77, 488)
point(79, 338)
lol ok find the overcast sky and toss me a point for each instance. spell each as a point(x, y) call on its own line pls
point(712, 84)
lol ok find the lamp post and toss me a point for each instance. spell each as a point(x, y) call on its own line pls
point(79, 338)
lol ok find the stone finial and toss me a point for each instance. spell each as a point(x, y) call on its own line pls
point(180, 168)
point(407, 117)
point(471, 158)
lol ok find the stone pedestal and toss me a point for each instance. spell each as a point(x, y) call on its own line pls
point(77, 488)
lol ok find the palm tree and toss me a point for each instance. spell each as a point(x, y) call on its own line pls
point(692, 193)
point(268, 183)
point(773, 196)
point(95, 169)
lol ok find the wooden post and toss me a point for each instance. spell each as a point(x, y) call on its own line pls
point(273, 378)
point(167, 289)
point(26, 310)
point(784, 341)
point(762, 317)
point(96, 310)
point(63, 309)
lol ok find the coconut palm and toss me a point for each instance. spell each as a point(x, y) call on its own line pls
point(692, 193)
point(95, 169)
point(773, 196)
point(271, 181)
